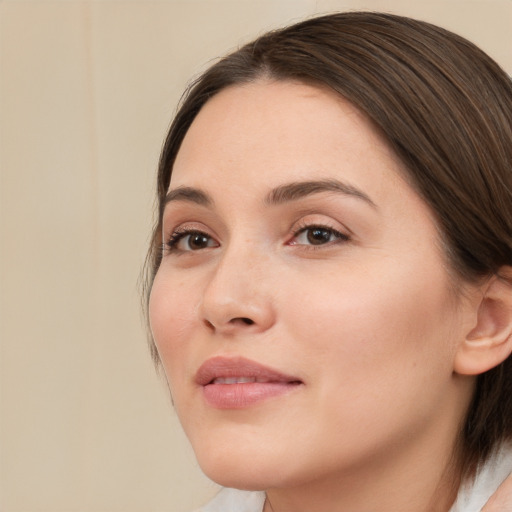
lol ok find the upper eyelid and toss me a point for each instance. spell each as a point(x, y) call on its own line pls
point(184, 230)
point(177, 223)
point(319, 226)
point(173, 232)
point(327, 222)
point(182, 221)
point(182, 213)
point(340, 235)
point(173, 239)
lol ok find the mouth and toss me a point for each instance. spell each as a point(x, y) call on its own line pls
point(236, 383)
point(237, 380)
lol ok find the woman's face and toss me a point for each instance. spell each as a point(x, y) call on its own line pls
point(303, 310)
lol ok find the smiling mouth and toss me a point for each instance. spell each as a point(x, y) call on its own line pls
point(237, 383)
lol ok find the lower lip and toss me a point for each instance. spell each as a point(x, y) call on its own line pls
point(239, 396)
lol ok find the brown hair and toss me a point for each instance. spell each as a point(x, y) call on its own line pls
point(445, 108)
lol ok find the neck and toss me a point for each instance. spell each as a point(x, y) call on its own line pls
point(424, 482)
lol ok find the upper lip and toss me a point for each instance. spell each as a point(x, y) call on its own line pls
point(226, 367)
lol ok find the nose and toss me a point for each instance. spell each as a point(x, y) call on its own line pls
point(237, 298)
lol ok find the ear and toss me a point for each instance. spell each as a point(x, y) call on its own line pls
point(489, 342)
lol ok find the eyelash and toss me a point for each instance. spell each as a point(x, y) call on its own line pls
point(178, 234)
point(339, 236)
point(171, 245)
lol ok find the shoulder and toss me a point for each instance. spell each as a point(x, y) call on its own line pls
point(474, 495)
point(234, 500)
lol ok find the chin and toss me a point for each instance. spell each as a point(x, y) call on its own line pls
point(229, 473)
point(240, 468)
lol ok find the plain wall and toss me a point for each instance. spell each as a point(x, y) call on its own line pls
point(87, 92)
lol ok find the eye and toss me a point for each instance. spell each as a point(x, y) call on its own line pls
point(190, 240)
point(318, 235)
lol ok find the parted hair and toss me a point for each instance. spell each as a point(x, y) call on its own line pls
point(445, 108)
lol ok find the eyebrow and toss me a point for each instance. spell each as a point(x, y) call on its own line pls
point(300, 189)
point(190, 194)
point(279, 195)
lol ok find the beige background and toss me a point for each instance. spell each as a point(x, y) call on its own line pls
point(87, 91)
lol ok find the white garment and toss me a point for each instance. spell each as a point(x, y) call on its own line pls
point(234, 500)
point(471, 497)
point(474, 495)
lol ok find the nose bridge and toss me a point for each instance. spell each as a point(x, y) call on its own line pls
point(237, 294)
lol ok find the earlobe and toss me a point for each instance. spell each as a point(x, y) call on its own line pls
point(489, 342)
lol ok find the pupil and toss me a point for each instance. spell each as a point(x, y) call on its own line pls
point(198, 241)
point(318, 236)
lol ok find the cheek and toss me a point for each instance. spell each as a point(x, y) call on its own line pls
point(377, 355)
point(172, 308)
point(382, 330)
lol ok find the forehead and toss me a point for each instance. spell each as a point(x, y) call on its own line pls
point(268, 132)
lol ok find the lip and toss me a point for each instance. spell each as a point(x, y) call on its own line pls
point(236, 382)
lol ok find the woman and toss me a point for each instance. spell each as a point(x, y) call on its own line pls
point(331, 271)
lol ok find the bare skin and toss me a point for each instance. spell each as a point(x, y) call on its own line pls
point(295, 252)
point(501, 500)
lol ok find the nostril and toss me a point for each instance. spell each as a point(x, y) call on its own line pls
point(244, 320)
point(234, 321)
point(209, 325)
